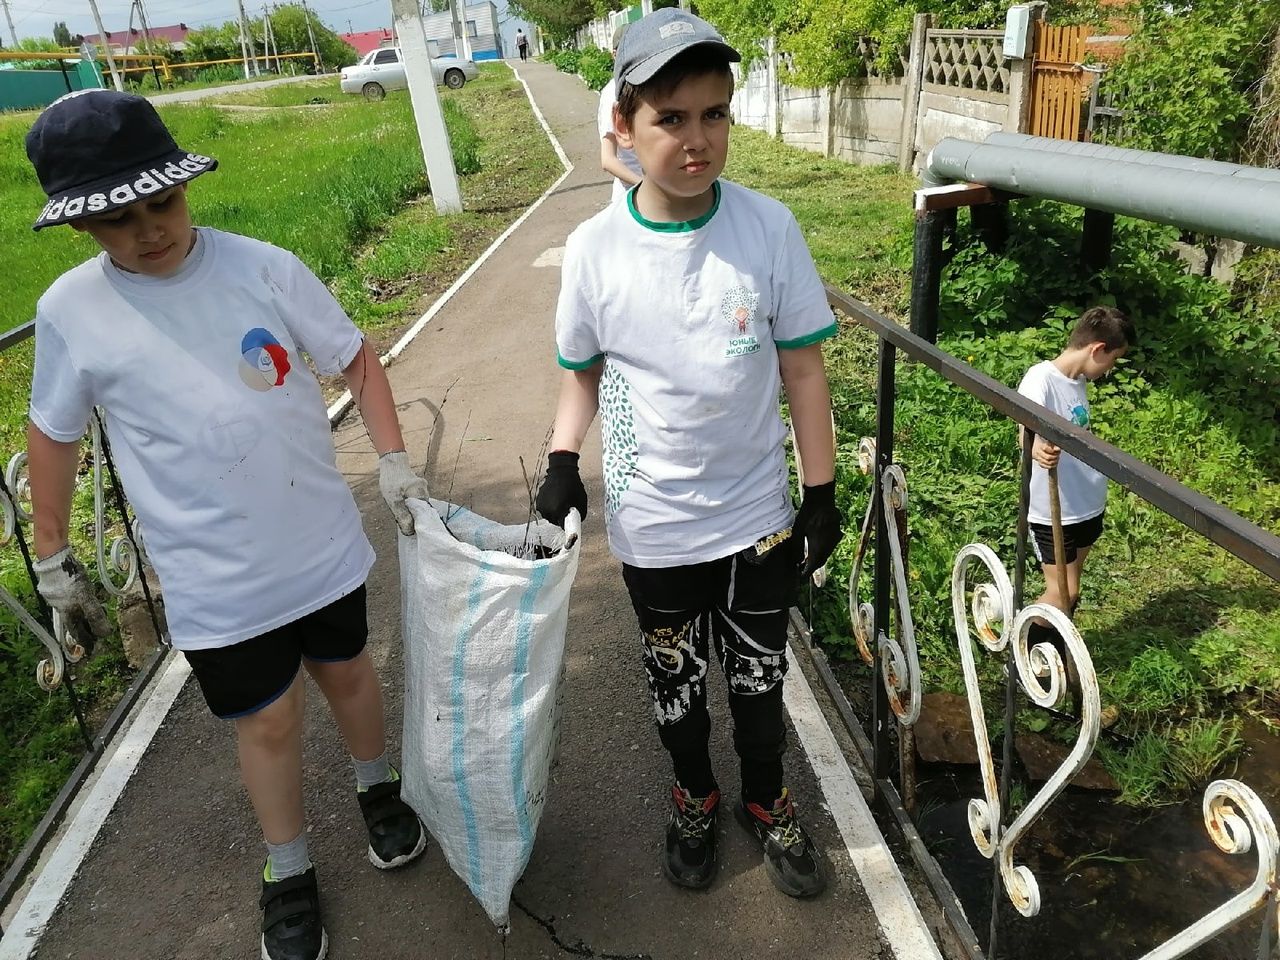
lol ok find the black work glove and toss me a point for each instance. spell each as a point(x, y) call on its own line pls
point(561, 489)
point(817, 527)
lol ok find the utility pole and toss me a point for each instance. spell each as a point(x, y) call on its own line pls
point(267, 39)
point(106, 46)
point(244, 49)
point(432, 132)
point(146, 36)
point(311, 33)
point(246, 43)
point(457, 29)
point(466, 35)
point(13, 34)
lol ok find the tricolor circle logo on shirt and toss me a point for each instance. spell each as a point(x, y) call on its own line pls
point(264, 363)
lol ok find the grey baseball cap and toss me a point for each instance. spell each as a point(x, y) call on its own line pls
point(652, 42)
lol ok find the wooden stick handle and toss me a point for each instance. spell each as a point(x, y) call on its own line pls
point(1059, 547)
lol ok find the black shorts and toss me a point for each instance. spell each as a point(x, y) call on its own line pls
point(245, 677)
point(1075, 536)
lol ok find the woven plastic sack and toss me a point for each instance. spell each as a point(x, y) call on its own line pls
point(484, 613)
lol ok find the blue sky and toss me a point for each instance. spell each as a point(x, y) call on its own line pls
point(35, 18)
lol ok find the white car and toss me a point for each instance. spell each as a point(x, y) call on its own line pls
point(383, 70)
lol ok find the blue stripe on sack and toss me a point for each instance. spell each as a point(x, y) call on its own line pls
point(459, 727)
point(524, 632)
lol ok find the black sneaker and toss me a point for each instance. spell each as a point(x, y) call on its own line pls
point(690, 856)
point(790, 858)
point(291, 926)
point(396, 835)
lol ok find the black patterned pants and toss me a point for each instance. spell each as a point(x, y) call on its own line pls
point(741, 603)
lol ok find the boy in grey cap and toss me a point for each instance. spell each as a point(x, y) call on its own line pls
point(683, 312)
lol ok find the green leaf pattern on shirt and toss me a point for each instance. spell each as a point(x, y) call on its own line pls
point(618, 431)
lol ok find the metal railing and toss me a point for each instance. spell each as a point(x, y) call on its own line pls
point(992, 612)
point(120, 565)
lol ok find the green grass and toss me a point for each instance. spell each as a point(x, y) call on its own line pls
point(344, 187)
point(1183, 635)
point(303, 92)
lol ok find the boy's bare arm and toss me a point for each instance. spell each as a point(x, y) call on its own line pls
point(579, 401)
point(368, 383)
point(51, 465)
point(805, 378)
point(611, 164)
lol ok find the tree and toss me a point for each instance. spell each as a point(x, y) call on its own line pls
point(62, 36)
point(289, 24)
point(823, 36)
point(1191, 74)
point(559, 18)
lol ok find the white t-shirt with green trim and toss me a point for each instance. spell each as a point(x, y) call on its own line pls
point(218, 427)
point(1082, 491)
point(688, 319)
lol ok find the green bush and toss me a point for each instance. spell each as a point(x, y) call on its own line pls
point(1190, 75)
point(595, 66)
point(565, 61)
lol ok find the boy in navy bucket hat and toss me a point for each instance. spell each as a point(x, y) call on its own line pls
point(190, 341)
point(684, 310)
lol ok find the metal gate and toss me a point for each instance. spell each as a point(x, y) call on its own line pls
point(1058, 82)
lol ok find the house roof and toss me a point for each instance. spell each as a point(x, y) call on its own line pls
point(367, 40)
point(174, 33)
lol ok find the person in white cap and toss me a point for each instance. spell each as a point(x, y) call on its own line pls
point(684, 310)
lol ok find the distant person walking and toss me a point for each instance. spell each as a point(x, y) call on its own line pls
point(522, 44)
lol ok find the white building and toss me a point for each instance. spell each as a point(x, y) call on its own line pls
point(481, 23)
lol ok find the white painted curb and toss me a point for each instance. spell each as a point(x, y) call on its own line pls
point(41, 901)
point(901, 924)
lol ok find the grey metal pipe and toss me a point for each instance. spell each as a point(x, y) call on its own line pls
point(1206, 202)
point(1102, 151)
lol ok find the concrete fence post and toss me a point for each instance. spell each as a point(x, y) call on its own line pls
point(911, 90)
point(834, 95)
point(1020, 76)
point(773, 91)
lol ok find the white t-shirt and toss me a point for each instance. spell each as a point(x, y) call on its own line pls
point(1082, 491)
point(604, 123)
point(689, 319)
point(218, 428)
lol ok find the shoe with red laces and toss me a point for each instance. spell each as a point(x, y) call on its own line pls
point(790, 858)
point(690, 856)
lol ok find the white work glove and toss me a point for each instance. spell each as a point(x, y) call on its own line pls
point(398, 482)
point(65, 586)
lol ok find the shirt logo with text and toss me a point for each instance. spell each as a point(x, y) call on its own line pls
point(738, 311)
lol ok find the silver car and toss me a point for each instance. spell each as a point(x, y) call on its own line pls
point(383, 70)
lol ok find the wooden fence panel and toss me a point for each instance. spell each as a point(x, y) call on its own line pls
point(1058, 82)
